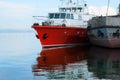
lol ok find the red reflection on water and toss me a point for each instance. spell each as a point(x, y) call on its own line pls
point(56, 59)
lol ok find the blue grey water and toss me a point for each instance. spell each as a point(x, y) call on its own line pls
point(17, 54)
point(22, 58)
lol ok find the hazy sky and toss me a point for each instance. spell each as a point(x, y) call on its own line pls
point(17, 14)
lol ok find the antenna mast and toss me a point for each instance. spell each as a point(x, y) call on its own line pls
point(108, 7)
point(119, 9)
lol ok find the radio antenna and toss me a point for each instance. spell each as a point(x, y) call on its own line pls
point(108, 7)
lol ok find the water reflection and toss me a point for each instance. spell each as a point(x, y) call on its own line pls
point(62, 63)
point(83, 63)
point(104, 62)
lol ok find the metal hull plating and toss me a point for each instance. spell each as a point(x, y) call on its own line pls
point(105, 36)
point(51, 36)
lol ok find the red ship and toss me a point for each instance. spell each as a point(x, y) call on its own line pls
point(65, 27)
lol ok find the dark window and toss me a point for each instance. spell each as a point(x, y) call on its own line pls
point(51, 15)
point(57, 15)
point(73, 9)
point(63, 9)
point(63, 15)
point(80, 9)
point(72, 16)
point(68, 16)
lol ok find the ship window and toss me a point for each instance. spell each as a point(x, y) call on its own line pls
point(63, 15)
point(63, 9)
point(51, 15)
point(73, 9)
point(79, 9)
point(68, 16)
point(72, 16)
point(68, 9)
point(57, 15)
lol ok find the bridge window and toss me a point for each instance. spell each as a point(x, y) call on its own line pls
point(51, 15)
point(62, 9)
point(63, 15)
point(60, 16)
point(74, 9)
point(72, 16)
point(57, 15)
point(80, 9)
point(68, 16)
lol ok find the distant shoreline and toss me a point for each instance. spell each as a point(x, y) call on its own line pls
point(15, 31)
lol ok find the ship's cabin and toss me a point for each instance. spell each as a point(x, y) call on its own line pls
point(72, 14)
point(69, 12)
point(61, 16)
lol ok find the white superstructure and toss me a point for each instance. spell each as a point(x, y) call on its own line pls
point(72, 14)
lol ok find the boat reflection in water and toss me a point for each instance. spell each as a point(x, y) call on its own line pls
point(83, 63)
point(62, 63)
point(104, 62)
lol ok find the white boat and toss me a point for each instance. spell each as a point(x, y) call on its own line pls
point(65, 27)
point(105, 31)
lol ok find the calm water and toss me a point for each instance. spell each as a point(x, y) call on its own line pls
point(22, 58)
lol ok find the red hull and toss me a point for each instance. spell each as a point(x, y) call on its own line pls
point(60, 36)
